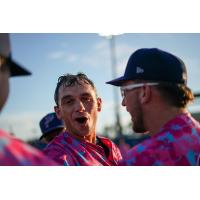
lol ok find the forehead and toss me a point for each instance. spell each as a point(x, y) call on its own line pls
point(76, 90)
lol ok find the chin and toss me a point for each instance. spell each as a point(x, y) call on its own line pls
point(84, 132)
point(139, 130)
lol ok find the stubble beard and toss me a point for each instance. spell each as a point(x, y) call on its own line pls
point(138, 123)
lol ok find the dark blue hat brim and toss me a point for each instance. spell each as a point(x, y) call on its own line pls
point(118, 81)
point(17, 70)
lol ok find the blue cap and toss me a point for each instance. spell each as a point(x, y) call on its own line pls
point(49, 123)
point(153, 65)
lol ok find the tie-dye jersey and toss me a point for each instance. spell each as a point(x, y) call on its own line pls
point(14, 152)
point(66, 150)
point(177, 143)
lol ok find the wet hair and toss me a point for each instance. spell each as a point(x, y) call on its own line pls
point(68, 80)
point(178, 95)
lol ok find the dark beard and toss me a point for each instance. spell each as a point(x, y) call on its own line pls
point(138, 126)
point(139, 129)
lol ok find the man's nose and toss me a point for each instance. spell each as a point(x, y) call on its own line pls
point(80, 106)
point(123, 102)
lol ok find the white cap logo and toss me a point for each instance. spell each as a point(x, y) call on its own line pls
point(139, 70)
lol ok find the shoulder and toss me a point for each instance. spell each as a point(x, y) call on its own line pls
point(57, 143)
point(16, 152)
point(105, 139)
point(109, 144)
point(57, 147)
point(60, 150)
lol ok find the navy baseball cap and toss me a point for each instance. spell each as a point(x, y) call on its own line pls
point(5, 51)
point(153, 64)
point(49, 123)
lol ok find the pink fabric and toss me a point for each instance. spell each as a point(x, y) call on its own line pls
point(177, 143)
point(15, 152)
point(66, 150)
point(124, 148)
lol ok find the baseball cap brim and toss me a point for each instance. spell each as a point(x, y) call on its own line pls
point(17, 70)
point(118, 81)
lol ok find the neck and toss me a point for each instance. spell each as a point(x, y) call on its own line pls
point(87, 138)
point(157, 119)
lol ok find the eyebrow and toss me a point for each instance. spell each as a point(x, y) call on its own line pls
point(66, 97)
point(86, 94)
point(71, 96)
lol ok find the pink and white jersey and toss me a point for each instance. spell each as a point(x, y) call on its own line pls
point(14, 152)
point(66, 150)
point(177, 143)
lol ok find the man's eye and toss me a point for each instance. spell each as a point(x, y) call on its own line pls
point(70, 101)
point(86, 98)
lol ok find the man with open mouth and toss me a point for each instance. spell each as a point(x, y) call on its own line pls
point(77, 104)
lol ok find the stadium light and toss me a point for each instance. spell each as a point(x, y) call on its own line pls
point(118, 126)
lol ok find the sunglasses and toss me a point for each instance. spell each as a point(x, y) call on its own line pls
point(134, 86)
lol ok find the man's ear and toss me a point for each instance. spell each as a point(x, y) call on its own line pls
point(57, 111)
point(99, 103)
point(145, 94)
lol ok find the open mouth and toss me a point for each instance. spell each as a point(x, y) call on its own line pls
point(81, 120)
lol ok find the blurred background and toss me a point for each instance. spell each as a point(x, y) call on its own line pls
point(101, 58)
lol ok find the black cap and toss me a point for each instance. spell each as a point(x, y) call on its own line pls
point(5, 51)
point(153, 65)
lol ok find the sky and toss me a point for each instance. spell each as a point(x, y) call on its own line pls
point(32, 97)
point(49, 56)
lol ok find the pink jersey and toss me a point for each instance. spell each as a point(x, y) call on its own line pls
point(66, 150)
point(177, 143)
point(15, 152)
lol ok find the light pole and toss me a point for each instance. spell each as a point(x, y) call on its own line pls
point(118, 126)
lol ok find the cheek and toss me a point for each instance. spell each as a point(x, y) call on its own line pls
point(65, 112)
point(4, 91)
point(131, 104)
point(93, 110)
point(127, 102)
point(90, 107)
